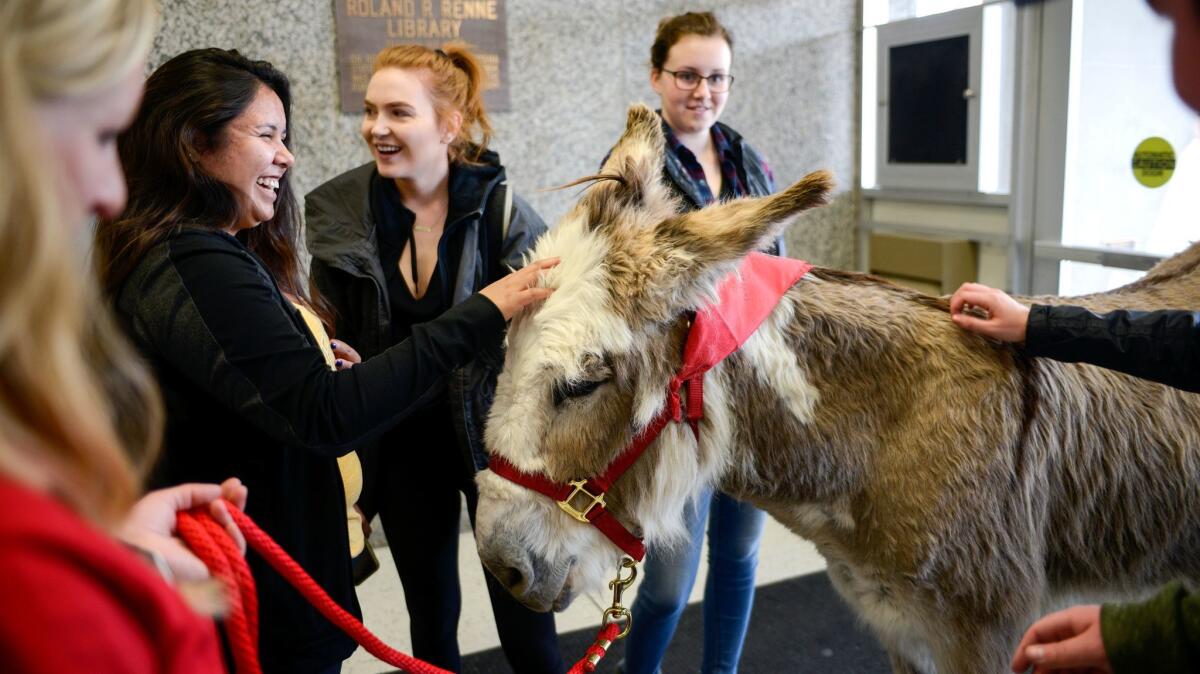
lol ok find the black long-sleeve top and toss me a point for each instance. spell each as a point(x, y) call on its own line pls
point(1162, 346)
point(248, 394)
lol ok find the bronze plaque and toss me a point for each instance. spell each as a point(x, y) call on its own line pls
point(366, 26)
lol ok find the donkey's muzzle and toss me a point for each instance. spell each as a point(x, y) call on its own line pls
point(529, 579)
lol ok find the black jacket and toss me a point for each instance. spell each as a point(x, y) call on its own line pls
point(341, 236)
point(1162, 346)
point(248, 394)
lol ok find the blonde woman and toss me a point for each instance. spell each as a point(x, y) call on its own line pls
point(79, 417)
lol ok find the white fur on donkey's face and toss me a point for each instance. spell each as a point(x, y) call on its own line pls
point(580, 378)
point(549, 343)
point(546, 346)
point(577, 327)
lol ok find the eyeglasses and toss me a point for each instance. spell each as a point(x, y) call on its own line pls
point(688, 80)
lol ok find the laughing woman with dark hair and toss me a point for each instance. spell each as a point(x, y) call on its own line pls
point(203, 272)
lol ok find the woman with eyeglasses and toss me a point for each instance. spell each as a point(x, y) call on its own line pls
point(706, 161)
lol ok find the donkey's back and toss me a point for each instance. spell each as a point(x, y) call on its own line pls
point(1122, 457)
point(987, 486)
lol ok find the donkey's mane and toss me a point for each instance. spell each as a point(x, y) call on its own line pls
point(1172, 283)
point(860, 279)
point(1179, 267)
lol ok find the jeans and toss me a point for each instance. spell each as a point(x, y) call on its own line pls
point(734, 530)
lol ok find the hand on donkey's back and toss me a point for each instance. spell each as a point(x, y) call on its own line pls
point(989, 312)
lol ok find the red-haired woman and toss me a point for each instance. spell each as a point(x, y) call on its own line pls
point(398, 242)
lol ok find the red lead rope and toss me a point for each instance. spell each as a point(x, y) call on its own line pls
point(210, 542)
point(596, 651)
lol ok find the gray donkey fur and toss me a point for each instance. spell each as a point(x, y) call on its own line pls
point(956, 487)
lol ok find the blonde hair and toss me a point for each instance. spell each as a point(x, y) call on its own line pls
point(455, 82)
point(79, 413)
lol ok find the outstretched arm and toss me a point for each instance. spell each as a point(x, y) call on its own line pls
point(212, 314)
point(1162, 346)
point(1161, 634)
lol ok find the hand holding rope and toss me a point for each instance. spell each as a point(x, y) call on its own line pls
point(211, 543)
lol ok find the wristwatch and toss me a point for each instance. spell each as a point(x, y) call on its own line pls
point(154, 558)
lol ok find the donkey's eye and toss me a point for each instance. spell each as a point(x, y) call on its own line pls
point(566, 390)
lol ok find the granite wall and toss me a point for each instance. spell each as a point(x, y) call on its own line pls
point(574, 67)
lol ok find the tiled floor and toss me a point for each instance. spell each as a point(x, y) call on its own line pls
point(783, 555)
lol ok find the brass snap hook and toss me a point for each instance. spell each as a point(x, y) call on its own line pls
point(622, 583)
point(617, 612)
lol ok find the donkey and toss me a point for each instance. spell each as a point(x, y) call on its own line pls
point(956, 487)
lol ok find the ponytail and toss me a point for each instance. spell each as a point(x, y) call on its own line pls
point(473, 112)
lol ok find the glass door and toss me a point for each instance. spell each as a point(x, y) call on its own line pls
point(1131, 179)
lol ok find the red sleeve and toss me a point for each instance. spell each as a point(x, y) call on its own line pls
point(72, 600)
point(66, 620)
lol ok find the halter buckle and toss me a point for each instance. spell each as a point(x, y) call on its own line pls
point(580, 488)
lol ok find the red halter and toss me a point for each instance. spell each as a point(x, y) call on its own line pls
point(746, 298)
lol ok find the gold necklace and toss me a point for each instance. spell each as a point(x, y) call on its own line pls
point(419, 228)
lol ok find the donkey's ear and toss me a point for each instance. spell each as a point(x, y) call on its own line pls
point(695, 249)
point(635, 170)
point(728, 231)
point(638, 155)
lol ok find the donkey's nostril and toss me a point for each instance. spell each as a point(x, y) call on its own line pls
point(511, 565)
point(510, 577)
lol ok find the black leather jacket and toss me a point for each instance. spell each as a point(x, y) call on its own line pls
point(1161, 346)
point(341, 236)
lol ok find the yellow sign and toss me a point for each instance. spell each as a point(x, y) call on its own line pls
point(1153, 162)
